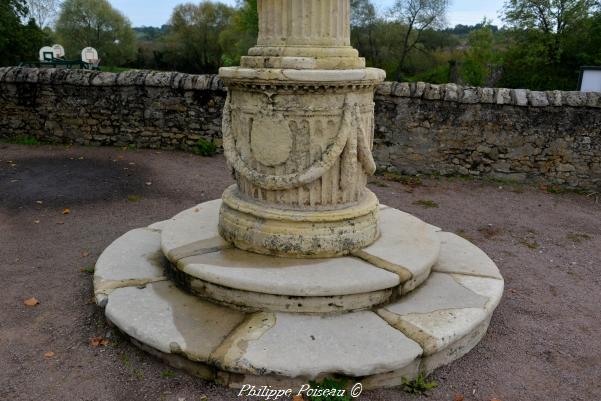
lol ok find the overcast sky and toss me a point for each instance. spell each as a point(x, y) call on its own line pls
point(156, 13)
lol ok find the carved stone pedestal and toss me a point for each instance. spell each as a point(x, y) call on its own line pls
point(298, 273)
point(298, 133)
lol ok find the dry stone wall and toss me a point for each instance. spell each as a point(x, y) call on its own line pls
point(551, 137)
point(164, 110)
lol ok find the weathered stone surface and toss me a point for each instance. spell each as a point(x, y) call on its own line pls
point(385, 88)
point(520, 97)
point(192, 232)
point(133, 259)
point(433, 92)
point(574, 98)
point(248, 301)
point(444, 310)
point(400, 89)
point(446, 142)
point(470, 95)
point(299, 140)
point(242, 270)
point(490, 288)
point(504, 96)
point(458, 255)
point(487, 95)
point(105, 79)
point(355, 344)
point(170, 321)
point(407, 246)
point(453, 92)
point(538, 99)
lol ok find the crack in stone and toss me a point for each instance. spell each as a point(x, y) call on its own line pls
point(404, 274)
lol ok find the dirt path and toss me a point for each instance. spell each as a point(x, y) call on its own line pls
point(544, 341)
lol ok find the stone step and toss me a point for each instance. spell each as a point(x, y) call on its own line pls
point(431, 326)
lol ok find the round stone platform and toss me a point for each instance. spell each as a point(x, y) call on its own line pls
point(413, 301)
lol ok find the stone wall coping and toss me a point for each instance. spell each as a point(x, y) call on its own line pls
point(499, 96)
point(414, 90)
point(55, 76)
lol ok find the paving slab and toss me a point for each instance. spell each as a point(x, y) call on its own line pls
point(297, 345)
point(407, 246)
point(133, 259)
point(165, 318)
point(458, 255)
point(192, 232)
point(444, 309)
point(248, 271)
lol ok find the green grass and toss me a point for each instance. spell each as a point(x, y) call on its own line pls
point(530, 244)
point(419, 386)
point(427, 204)
point(23, 140)
point(205, 148)
point(167, 374)
point(134, 198)
point(578, 238)
point(330, 384)
point(88, 270)
point(112, 68)
point(408, 180)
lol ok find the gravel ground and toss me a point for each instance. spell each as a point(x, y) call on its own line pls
point(543, 344)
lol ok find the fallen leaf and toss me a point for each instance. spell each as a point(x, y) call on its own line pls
point(98, 341)
point(66, 210)
point(31, 302)
point(298, 398)
point(49, 354)
point(495, 399)
point(458, 397)
point(85, 254)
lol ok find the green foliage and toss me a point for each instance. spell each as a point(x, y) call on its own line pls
point(134, 198)
point(330, 384)
point(88, 270)
point(549, 41)
point(426, 204)
point(205, 148)
point(167, 374)
point(96, 23)
point(19, 40)
point(419, 386)
point(241, 34)
point(24, 140)
point(480, 57)
point(193, 42)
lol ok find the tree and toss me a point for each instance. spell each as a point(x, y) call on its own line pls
point(548, 42)
point(18, 42)
point(43, 11)
point(195, 35)
point(241, 34)
point(364, 24)
point(416, 16)
point(480, 56)
point(552, 18)
point(96, 23)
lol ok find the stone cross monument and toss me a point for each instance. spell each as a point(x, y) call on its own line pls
point(298, 132)
point(298, 273)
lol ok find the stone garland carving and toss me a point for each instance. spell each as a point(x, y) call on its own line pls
point(350, 146)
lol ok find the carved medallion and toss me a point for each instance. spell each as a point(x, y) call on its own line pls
point(271, 140)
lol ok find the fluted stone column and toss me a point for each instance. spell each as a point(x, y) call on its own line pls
point(298, 132)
